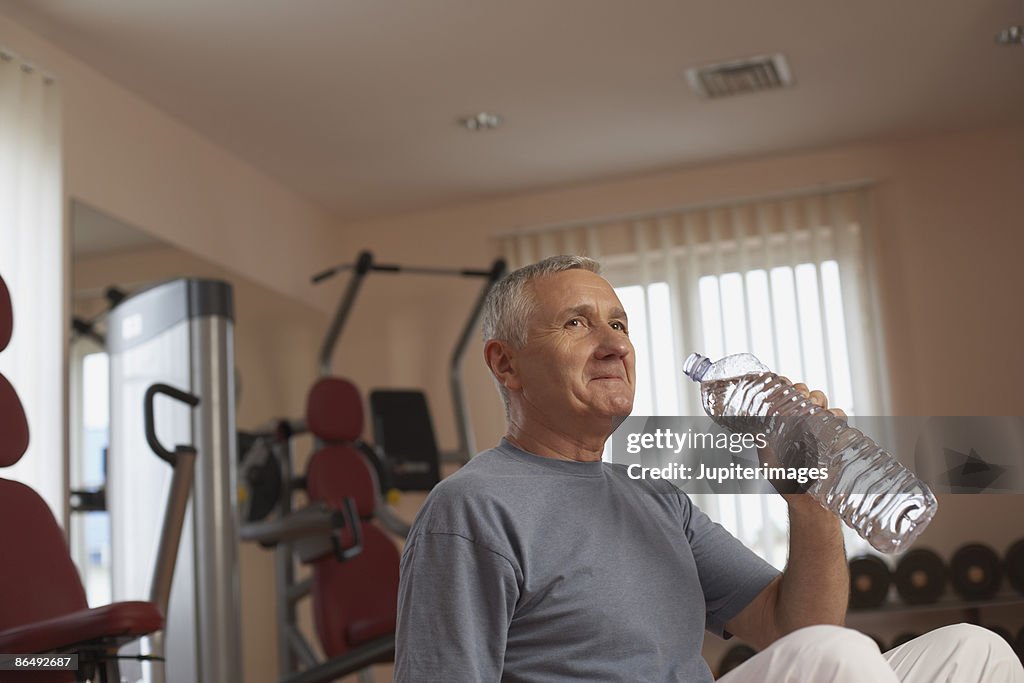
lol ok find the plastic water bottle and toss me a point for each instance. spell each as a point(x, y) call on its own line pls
point(866, 487)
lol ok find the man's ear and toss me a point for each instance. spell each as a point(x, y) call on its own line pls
point(500, 358)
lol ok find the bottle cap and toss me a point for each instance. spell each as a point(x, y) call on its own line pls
point(695, 366)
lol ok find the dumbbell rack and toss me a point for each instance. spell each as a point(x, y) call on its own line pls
point(971, 608)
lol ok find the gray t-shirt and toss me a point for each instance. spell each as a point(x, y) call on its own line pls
point(524, 568)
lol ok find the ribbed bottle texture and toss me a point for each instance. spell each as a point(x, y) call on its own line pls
point(866, 487)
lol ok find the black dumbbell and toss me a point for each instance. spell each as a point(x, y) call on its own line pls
point(975, 572)
point(920, 577)
point(1014, 565)
point(869, 581)
point(735, 656)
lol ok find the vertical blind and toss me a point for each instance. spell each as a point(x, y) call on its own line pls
point(787, 279)
point(32, 264)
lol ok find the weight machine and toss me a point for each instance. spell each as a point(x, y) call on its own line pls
point(332, 534)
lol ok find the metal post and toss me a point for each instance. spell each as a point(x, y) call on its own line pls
point(467, 447)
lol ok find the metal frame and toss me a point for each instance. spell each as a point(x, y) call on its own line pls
point(363, 266)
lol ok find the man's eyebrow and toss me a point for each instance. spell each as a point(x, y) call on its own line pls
point(587, 310)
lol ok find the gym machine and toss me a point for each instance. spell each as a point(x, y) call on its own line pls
point(360, 269)
point(178, 333)
point(406, 458)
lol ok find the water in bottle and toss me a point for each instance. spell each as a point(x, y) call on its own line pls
point(866, 487)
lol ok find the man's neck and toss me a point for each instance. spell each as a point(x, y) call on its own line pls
point(540, 439)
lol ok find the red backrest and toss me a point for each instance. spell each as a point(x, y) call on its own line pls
point(6, 315)
point(38, 580)
point(334, 410)
point(355, 601)
point(13, 425)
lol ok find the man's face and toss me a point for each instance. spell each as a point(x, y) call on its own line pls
point(578, 361)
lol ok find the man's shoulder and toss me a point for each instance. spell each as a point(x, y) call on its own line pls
point(477, 487)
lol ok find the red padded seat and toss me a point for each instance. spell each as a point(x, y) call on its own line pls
point(339, 472)
point(127, 620)
point(356, 601)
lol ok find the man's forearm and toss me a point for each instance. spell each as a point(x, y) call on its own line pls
point(815, 586)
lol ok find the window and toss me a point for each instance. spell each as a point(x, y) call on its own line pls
point(89, 532)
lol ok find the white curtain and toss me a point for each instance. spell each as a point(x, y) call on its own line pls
point(787, 279)
point(32, 264)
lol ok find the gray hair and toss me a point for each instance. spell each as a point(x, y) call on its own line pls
point(509, 304)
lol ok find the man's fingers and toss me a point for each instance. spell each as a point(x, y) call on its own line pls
point(818, 398)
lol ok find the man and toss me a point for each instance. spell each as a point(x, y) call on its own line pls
point(539, 562)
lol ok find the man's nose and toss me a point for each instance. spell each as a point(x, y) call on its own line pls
point(613, 344)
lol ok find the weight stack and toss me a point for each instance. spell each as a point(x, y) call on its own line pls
point(920, 577)
point(975, 572)
point(869, 581)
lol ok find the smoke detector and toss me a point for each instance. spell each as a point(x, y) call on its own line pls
point(755, 74)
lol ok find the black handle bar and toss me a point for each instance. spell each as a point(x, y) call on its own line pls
point(365, 264)
point(167, 456)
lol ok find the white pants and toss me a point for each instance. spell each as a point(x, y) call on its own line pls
point(831, 654)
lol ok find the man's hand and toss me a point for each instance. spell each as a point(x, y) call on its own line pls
point(789, 490)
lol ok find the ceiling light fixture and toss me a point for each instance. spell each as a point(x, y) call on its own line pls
point(481, 121)
point(1011, 35)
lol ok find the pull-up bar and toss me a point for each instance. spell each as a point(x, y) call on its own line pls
point(364, 265)
point(392, 268)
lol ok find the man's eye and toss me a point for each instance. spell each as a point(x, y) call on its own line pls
point(575, 322)
point(619, 326)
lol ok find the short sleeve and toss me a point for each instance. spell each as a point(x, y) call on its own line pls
point(455, 603)
point(731, 575)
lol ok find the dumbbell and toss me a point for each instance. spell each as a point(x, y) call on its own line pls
point(869, 581)
point(975, 572)
point(735, 656)
point(1014, 563)
point(920, 577)
point(903, 638)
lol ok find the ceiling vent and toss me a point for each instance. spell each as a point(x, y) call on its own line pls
point(740, 76)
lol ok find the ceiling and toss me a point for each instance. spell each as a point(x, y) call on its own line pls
point(354, 104)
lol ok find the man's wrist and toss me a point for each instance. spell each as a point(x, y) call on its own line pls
point(804, 506)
